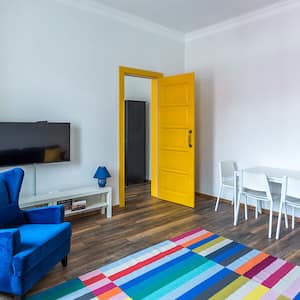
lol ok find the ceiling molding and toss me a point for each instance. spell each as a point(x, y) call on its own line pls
point(95, 7)
point(241, 20)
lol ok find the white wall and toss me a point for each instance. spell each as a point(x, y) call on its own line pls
point(140, 89)
point(248, 95)
point(60, 63)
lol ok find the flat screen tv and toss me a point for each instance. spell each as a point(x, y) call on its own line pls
point(29, 143)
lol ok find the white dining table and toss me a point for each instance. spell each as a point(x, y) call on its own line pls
point(274, 175)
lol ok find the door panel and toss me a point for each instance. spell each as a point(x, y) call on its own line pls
point(175, 148)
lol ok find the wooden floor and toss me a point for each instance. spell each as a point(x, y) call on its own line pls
point(145, 221)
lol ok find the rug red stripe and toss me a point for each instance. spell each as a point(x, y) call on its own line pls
point(94, 279)
point(185, 234)
point(144, 263)
point(279, 274)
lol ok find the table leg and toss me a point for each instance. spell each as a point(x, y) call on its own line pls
point(235, 195)
point(109, 204)
point(101, 199)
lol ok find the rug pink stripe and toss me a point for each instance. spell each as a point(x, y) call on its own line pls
point(179, 237)
point(191, 237)
point(99, 284)
point(90, 275)
point(272, 268)
point(293, 289)
point(260, 266)
point(279, 274)
point(270, 295)
point(104, 289)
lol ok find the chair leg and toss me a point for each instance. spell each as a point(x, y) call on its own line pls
point(237, 208)
point(64, 261)
point(260, 207)
point(256, 210)
point(286, 217)
point(293, 218)
point(246, 208)
point(219, 196)
point(270, 221)
point(279, 221)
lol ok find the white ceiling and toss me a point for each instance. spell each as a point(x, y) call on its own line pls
point(188, 15)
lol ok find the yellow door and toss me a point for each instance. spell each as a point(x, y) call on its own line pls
point(175, 139)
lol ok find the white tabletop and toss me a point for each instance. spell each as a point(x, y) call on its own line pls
point(274, 174)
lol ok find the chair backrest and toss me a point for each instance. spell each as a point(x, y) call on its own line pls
point(255, 182)
point(291, 187)
point(227, 168)
point(13, 179)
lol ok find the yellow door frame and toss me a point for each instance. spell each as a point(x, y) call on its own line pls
point(126, 71)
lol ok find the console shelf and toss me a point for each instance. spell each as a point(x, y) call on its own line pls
point(76, 193)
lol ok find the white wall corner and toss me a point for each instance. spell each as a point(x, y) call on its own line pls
point(243, 19)
point(95, 7)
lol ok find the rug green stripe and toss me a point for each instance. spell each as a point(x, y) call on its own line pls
point(282, 297)
point(59, 291)
point(209, 244)
point(180, 281)
point(231, 288)
point(163, 278)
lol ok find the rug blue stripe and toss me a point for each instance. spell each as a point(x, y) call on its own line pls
point(160, 279)
point(200, 243)
point(150, 267)
point(221, 250)
point(157, 270)
point(135, 255)
point(197, 290)
point(229, 253)
point(297, 297)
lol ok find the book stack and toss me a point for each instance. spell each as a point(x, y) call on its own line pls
point(67, 204)
point(72, 205)
point(78, 205)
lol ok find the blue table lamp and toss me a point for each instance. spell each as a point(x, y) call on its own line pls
point(101, 174)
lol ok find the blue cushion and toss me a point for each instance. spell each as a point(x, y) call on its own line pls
point(37, 242)
point(4, 198)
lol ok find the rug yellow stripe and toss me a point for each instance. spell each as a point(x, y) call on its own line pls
point(281, 297)
point(209, 244)
point(230, 289)
point(257, 293)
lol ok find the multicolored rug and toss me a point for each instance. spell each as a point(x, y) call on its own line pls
point(195, 265)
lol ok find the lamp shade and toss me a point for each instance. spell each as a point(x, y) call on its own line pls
point(102, 173)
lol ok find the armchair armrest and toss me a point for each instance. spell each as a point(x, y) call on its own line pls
point(45, 215)
point(10, 244)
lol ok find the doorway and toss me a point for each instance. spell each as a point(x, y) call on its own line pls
point(137, 137)
point(138, 83)
point(172, 136)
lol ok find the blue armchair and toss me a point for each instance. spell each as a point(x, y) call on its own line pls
point(32, 241)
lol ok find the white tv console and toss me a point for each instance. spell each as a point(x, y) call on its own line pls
point(84, 192)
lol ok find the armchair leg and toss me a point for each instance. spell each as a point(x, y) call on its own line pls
point(64, 261)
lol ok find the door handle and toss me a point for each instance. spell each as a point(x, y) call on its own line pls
point(190, 138)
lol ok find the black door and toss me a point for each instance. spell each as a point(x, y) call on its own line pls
point(135, 142)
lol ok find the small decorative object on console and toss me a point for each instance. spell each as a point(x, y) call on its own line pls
point(66, 203)
point(78, 205)
point(101, 174)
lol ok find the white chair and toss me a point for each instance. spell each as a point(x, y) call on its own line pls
point(290, 196)
point(255, 186)
point(226, 173)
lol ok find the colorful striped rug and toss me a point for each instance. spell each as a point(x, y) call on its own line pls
point(195, 265)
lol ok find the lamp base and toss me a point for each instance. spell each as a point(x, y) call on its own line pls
point(102, 182)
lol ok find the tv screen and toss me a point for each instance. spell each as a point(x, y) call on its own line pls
point(28, 143)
